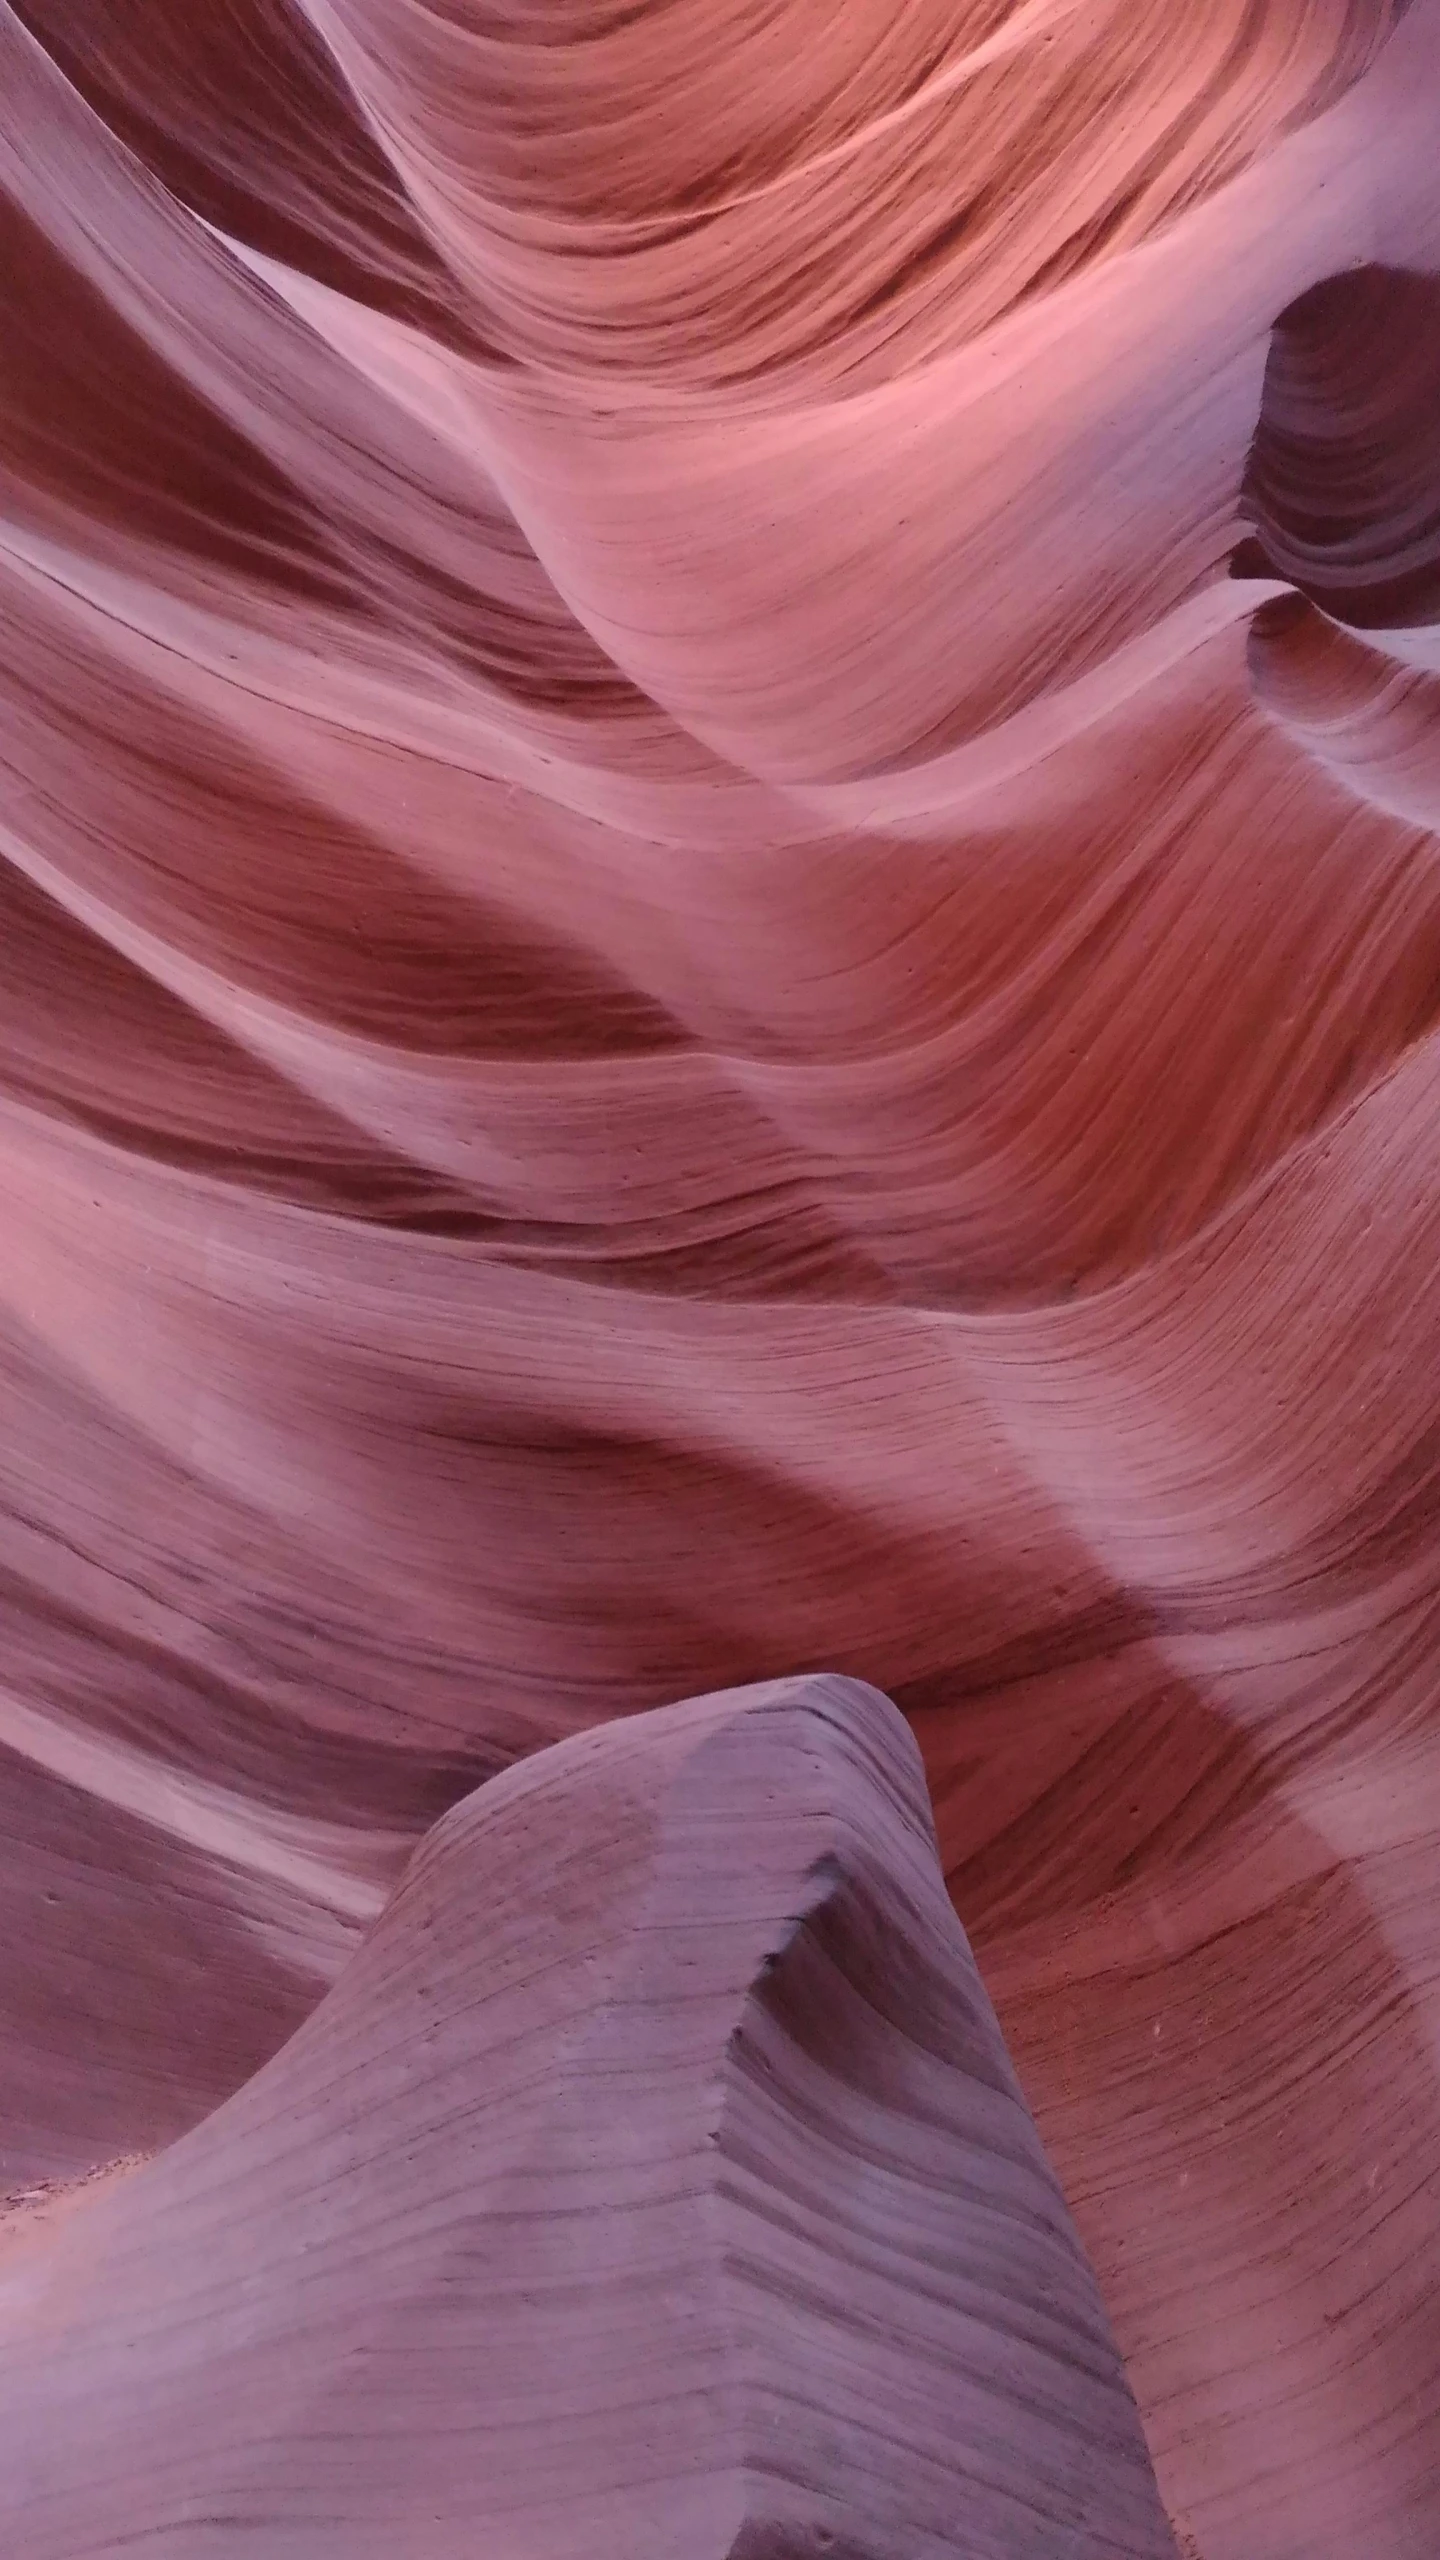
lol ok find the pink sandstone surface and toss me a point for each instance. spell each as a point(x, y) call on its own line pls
point(625, 2195)
point(719, 789)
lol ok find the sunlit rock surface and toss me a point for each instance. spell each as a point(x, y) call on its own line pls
point(720, 943)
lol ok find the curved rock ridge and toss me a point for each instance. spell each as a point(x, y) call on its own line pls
point(686, 990)
point(1343, 477)
point(624, 2196)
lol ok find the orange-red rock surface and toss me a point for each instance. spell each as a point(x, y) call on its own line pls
point(719, 786)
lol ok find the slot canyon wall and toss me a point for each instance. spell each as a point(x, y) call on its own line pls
point(719, 789)
point(627, 2199)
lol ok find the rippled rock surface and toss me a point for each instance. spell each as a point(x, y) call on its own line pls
point(719, 941)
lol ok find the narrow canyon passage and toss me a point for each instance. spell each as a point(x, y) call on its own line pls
point(720, 881)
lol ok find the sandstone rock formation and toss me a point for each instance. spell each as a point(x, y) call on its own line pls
point(719, 929)
point(623, 2196)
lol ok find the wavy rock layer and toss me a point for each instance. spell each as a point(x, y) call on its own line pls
point(681, 998)
point(624, 2196)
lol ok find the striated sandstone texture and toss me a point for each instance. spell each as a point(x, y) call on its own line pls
point(720, 952)
point(624, 2196)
